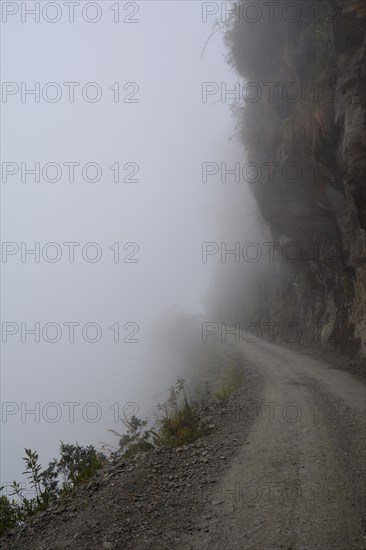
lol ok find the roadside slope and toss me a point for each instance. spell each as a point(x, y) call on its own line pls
point(151, 501)
point(282, 467)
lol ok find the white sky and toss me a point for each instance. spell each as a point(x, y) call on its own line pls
point(169, 133)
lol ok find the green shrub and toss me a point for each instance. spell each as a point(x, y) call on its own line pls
point(9, 514)
point(136, 440)
point(76, 465)
point(178, 424)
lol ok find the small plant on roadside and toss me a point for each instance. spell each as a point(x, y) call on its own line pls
point(179, 423)
point(76, 465)
point(34, 475)
point(137, 439)
point(9, 513)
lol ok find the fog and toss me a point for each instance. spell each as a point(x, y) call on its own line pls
point(159, 221)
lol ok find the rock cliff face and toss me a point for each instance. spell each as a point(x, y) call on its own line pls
point(313, 132)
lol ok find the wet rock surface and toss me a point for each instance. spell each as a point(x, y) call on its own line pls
point(322, 210)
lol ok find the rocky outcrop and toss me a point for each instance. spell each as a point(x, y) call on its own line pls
point(350, 116)
point(317, 196)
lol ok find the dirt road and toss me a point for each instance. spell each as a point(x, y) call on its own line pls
point(282, 467)
point(299, 479)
